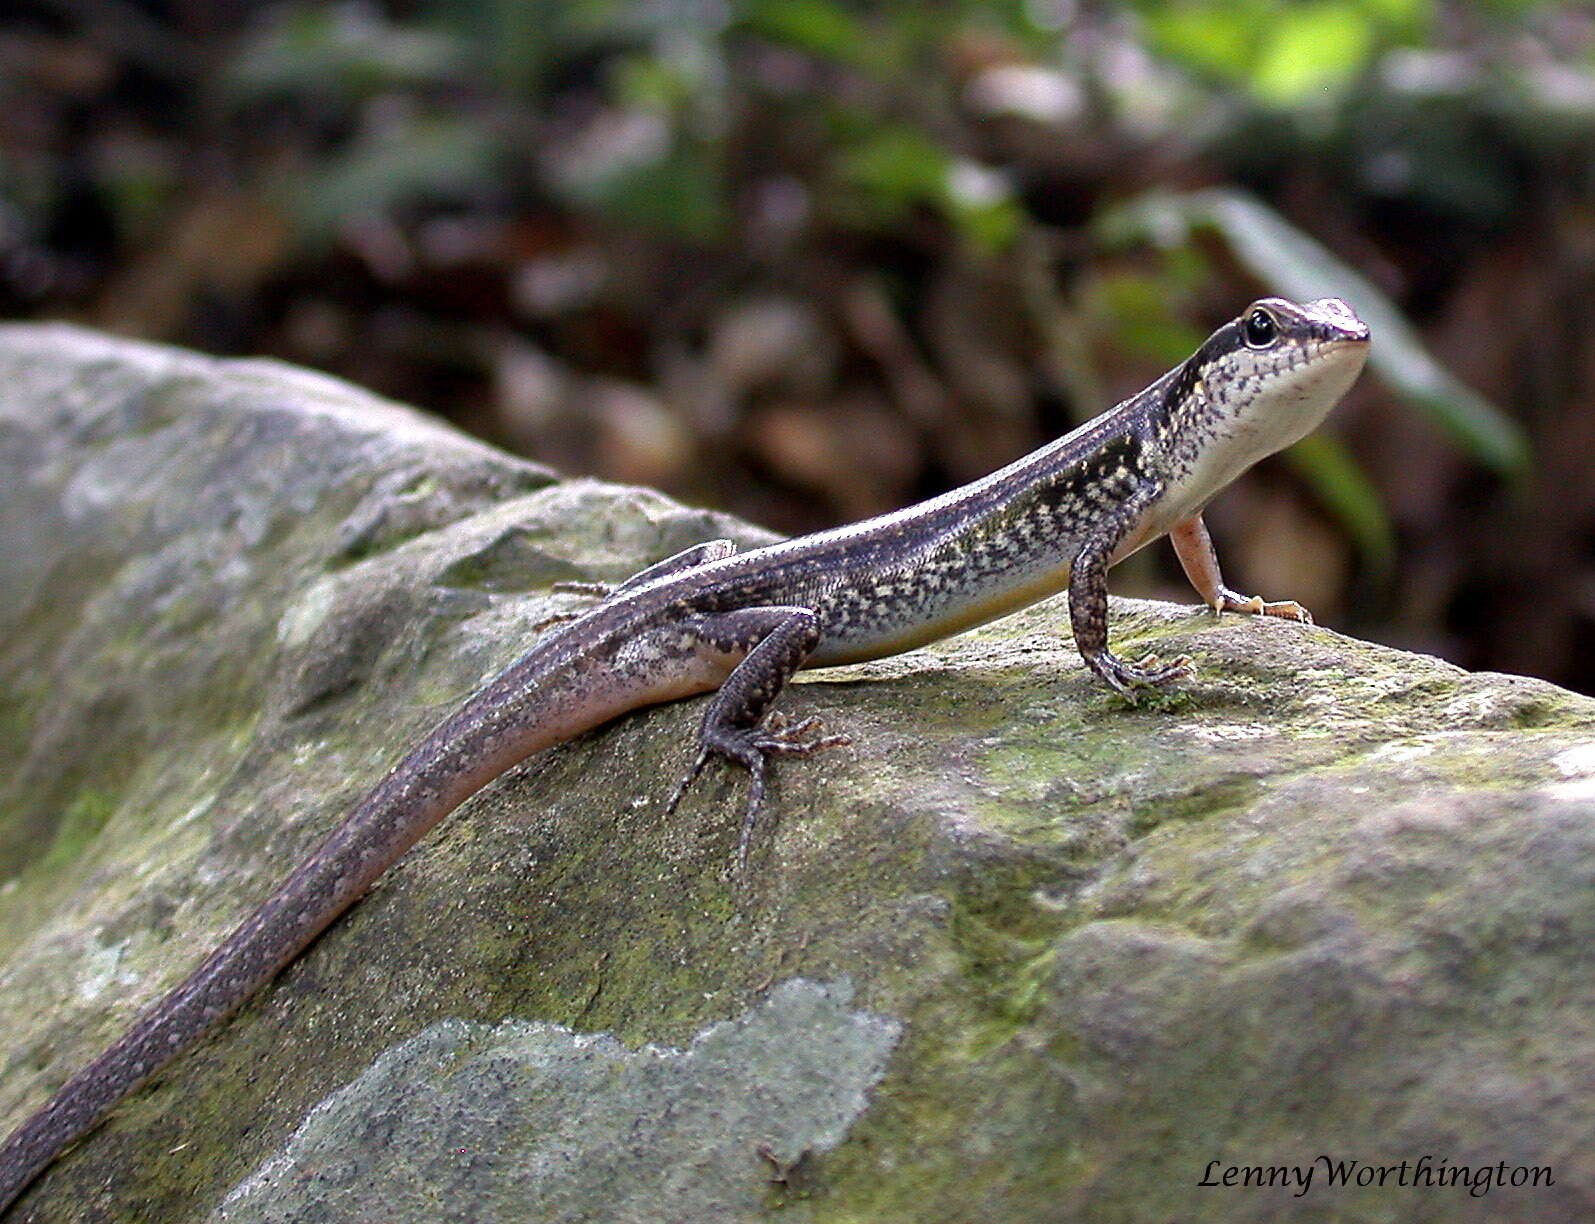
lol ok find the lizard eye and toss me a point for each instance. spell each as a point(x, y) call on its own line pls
point(1259, 328)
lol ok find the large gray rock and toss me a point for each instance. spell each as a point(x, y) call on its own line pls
point(1022, 953)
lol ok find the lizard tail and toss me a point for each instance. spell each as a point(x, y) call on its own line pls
point(529, 707)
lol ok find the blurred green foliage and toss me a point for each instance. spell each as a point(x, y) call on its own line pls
point(339, 55)
point(1322, 68)
point(1284, 53)
point(1296, 266)
point(975, 133)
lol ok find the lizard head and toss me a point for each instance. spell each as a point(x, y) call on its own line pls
point(1276, 370)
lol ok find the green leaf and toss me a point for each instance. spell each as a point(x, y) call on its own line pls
point(897, 166)
point(1283, 52)
point(981, 204)
point(1138, 310)
point(817, 26)
point(1297, 266)
point(1310, 48)
point(1408, 17)
point(681, 193)
point(429, 159)
point(1339, 483)
point(1220, 40)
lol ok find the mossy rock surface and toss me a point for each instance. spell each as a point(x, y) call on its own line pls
point(1020, 953)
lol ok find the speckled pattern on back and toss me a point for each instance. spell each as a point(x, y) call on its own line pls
point(1055, 518)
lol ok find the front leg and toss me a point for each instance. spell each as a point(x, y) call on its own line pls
point(1194, 547)
point(776, 641)
point(1088, 616)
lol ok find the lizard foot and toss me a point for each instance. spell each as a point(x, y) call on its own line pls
point(780, 734)
point(556, 618)
point(600, 590)
point(1256, 605)
point(593, 590)
point(751, 748)
point(1149, 672)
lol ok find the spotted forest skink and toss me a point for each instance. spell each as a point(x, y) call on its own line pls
point(740, 624)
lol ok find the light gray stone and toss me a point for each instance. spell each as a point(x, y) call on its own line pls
point(1330, 899)
point(467, 1122)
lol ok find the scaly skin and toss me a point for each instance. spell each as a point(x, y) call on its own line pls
point(712, 619)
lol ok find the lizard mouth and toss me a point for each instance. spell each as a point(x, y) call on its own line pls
point(1357, 339)
point(1340, 358)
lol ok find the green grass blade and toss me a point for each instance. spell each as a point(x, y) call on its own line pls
point(1323, 461)
point(1297, 266)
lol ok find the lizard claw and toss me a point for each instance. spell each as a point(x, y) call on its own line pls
point(1149, 672)
point(572, 586)
point(556, 618)
point(750, 747)
point(1256, 605)
point(686, 782)
point(1288, 609)
point(596, 590)
point(780, 734)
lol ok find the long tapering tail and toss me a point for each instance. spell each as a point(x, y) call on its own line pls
point(513, 716)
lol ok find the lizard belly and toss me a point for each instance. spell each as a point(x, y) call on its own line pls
point(1157, 521)
point(563, 694)
point(1186, 495)
point(856, 639)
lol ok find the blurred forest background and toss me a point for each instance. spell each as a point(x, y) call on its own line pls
point(808, 260)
